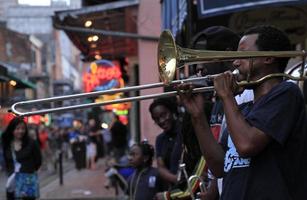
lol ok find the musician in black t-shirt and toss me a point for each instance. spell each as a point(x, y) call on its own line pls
point(266, 152)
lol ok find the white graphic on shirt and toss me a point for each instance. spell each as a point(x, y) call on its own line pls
point(232, 158)
point(152, 182)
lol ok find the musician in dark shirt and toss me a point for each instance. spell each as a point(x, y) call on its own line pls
point(266, 152)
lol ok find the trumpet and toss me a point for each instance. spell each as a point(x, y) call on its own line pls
point(170, 57)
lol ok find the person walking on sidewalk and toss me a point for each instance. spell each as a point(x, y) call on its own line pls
point(119, 135)
point(23, 158)
point(91, 153)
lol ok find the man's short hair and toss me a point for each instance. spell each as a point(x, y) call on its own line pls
point(169, 103)
point(271, 38)
point(218, 38)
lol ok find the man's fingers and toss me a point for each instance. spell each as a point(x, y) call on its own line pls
point(184, 88)
point(224, 84)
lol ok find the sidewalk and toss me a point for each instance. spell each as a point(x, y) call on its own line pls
point(82, 184)
point(45, 177)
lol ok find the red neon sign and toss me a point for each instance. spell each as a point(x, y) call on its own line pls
point(101, 74)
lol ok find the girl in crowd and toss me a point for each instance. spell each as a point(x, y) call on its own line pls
point(145, 182)
point(23, 158)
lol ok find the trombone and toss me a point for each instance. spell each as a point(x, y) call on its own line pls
point(170, 57)
point(201, 185)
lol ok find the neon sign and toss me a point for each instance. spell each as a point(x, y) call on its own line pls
point(102, 75)
point(113, 107)
point(105, 75)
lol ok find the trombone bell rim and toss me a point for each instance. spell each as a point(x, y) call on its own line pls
point(167, 57)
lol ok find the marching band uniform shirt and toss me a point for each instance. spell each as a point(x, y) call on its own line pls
point(279, 171)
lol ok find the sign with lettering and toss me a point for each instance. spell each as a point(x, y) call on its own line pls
point(290, 19)
point(102, 75)
point(105, 75)
point(207, 8)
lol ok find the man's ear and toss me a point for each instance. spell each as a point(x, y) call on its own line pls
point(269, 60)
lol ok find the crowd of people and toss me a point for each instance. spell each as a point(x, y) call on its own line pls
point(28, 148)
point(242, 143)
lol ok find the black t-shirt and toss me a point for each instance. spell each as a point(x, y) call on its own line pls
point(279, 171)
point(119, 134)
point(168, 147)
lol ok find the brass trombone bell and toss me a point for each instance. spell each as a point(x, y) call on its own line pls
point(171, 56)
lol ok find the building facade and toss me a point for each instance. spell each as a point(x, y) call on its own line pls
point(47, 59)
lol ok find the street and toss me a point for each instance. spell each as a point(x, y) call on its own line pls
point(78, 184)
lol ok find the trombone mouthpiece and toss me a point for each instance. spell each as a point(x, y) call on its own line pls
point(236, 73)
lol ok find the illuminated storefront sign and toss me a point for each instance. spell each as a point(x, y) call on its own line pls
point(207, 8)
point(102, 75)
point(35, 119)
point(39, 119)
point(5, 119)
point(114, 107)
point(105, 75)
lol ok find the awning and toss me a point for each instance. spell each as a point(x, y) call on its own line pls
point(21, 83)
point(209, 8)
point(6, 75)
point(117, 22)
point(3, 78)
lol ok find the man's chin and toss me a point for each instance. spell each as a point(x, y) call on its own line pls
point(244, 78)
point(241, 77)
point(250, 87)
point(166, 129)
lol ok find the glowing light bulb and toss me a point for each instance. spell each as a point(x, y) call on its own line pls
point(88, 23)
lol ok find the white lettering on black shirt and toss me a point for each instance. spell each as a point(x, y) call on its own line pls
point(232, 158)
